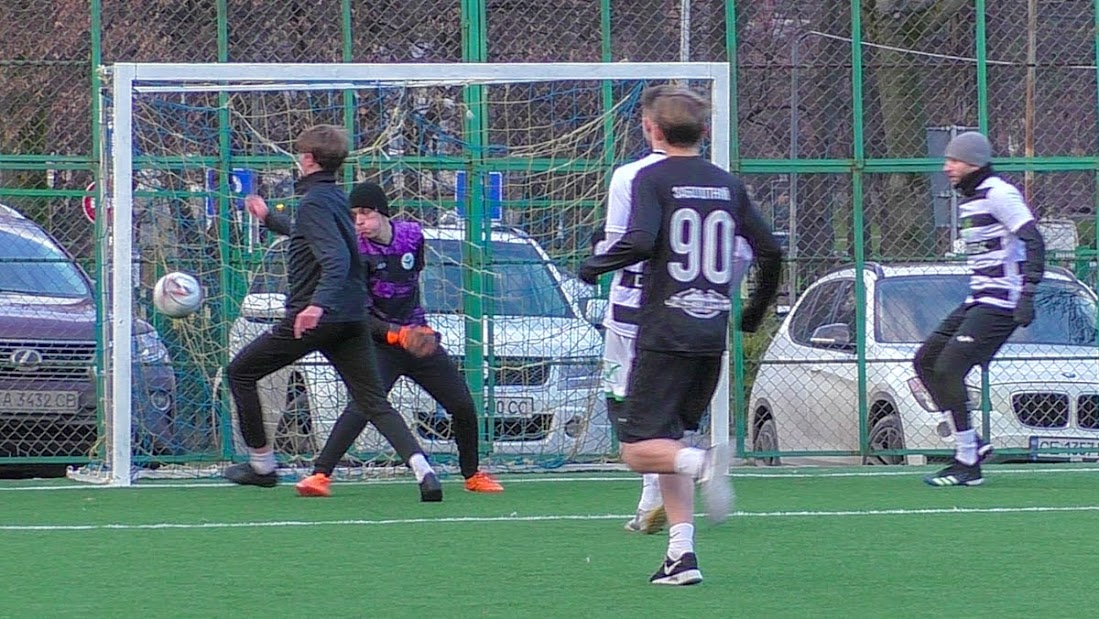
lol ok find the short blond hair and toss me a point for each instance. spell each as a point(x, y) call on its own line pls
point(328, 144)
point(682, 114)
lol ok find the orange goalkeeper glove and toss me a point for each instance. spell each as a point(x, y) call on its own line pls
point(419, 340)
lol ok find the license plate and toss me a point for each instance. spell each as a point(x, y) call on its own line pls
point(39, 401)
point(1075, 448)
point(514, 407)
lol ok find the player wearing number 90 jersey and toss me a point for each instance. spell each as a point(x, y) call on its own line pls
point(686, 217)
point(693, 210)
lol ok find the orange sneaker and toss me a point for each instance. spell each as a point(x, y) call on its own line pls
point(483, 482)
point(314, 485)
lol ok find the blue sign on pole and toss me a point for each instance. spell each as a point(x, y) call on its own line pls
point(242, 182)
point(493, 193)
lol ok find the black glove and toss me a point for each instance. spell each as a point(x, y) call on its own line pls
point(752, 317)
point(1024, 310)
point(587, 274)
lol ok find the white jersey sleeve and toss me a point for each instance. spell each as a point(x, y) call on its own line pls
point(618, 202)
point(1006, 204)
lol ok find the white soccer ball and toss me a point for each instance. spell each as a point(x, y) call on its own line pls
point(177, 295)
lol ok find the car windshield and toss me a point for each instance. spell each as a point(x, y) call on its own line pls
point(910, 307)
point(33, 265)
point(522, 284)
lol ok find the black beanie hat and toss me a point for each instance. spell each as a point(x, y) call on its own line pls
point(371, 196)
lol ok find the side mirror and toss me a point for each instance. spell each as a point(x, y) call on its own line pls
point(835, 335)
point(263, 307)
point(593, 310)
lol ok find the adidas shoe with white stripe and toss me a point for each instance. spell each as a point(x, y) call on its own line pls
point(956, 474)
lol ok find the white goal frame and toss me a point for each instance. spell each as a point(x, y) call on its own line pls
point(128, 79)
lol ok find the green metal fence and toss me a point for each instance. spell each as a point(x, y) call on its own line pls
point(842, 109)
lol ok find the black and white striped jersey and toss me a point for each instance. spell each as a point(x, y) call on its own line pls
point(989, 220)
point(625, 292)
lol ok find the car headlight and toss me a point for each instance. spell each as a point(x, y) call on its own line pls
point(580, 375)
point(148, 348)
point(973, 396)
point(924, 399)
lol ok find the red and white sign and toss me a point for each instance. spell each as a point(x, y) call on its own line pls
point(88, 202)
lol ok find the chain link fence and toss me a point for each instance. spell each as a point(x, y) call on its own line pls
point(842, 111)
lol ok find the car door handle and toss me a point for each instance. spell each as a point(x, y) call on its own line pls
point(816, 368)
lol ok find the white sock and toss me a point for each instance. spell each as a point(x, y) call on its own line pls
point(681, 540)
point(650, 492)
point(418, 464)
point(965, 446)
point(688, 462)
point(262, 460)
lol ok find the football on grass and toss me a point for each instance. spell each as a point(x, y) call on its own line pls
point(177, 295)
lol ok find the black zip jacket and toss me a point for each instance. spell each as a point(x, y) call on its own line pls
point(281, 224)
point(322, 262)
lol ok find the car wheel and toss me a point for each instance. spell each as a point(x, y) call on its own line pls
point(294, 432)
point(766, 439)
point(885, 434)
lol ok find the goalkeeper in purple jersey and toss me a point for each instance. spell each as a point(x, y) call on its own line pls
point(393, 257)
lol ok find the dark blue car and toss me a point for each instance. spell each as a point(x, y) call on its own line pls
point(48, 356)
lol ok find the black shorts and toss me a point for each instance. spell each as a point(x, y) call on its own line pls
point(668, 395)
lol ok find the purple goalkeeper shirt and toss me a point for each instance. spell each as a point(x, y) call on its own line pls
point(393, 274)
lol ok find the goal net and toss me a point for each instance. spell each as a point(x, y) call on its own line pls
point(504, 165)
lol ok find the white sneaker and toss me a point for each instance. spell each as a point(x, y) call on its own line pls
point(648, 521)
point(717, 489)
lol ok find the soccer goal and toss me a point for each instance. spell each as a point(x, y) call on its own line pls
point(504, 165)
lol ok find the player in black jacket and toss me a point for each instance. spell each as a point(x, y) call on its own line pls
point(686, 217)
point(324, 313)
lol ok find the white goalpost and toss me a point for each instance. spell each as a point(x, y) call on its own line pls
point(184, 141)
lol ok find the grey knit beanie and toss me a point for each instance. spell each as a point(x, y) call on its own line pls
point(970, 147)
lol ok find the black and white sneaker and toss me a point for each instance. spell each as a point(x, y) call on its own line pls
point(956, 474)
point(431, 491)
point(681, 571)
point(244, 475)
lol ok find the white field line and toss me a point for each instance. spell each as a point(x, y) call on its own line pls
point(517, 518)
point(541, 478)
